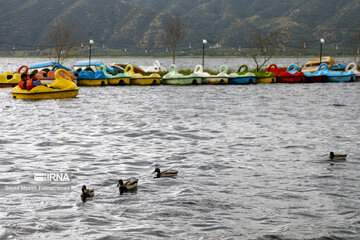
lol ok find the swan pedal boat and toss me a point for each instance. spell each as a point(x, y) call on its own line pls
point(153, 69)
point(242, 77)
point(266, 77)
point(89, 73)
point(336, 76)
point(89, 78)
point(221, 78)
point(173, 77)
point(10, 79)
point(61, 88)
point(291, 75)
point(312, 77)
point(143, 80)
point(353, 67)
point(118, 79)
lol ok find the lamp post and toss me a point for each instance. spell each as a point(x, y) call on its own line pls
point(204, 42)
point(91, 42)
point(322, 41)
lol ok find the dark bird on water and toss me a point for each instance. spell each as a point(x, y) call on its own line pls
point(333, 156)
point(86, 193)
point(127, 186)
point(167, 173)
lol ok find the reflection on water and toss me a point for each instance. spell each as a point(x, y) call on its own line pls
point(252, 161)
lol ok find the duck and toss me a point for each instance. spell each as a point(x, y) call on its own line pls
point(333, 156)
point(127, 186)
point(167, 173)
point(85, 193)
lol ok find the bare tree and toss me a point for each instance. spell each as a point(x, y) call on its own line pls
point(62, 41)
point(174, 33)
point(263, 48)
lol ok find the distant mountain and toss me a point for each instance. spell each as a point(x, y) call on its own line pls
point(114, 23)
point(138, 23)
point(231, 22)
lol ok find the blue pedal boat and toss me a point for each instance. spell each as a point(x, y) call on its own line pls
point(90, 73)
point(336, 76)
point(242, 77)
point(89, 78)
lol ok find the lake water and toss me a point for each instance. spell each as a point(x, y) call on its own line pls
point(252, 161)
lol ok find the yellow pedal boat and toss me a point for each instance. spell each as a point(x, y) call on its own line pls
point(139, 79)
point(313, 64)
point(89, 74)
point(61, 88)
point(118, 79)
point(10, 79)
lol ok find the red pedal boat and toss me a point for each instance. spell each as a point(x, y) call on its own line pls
point(291, 75)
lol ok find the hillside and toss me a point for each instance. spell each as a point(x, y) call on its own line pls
point(130, 24)
point(118, 23)
point(232, 21)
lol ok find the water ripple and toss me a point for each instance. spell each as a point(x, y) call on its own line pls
point(252, 161)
